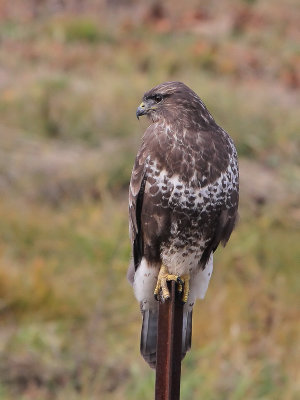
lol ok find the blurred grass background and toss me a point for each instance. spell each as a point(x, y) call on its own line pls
point(71, 76)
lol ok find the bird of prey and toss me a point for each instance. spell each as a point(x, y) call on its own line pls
point(183, 201)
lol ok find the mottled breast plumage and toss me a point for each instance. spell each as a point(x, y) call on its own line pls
point(185, 183)
point(183, 201)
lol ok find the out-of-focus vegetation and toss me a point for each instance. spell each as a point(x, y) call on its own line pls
point(71, 76)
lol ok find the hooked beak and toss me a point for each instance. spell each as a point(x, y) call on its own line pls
point(141, 110)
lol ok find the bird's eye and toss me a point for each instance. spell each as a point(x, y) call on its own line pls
point(158, 98)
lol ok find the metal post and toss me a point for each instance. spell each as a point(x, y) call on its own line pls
point(169, 347)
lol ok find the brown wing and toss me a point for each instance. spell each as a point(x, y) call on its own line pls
point(228, 216)
point(223, 229)
point(136, 194)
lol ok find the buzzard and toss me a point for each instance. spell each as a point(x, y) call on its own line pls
point(183, 201)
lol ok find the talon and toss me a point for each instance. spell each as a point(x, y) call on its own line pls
point(180, 281)
point(161, 285)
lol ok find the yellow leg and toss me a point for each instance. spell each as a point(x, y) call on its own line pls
point(162, 279)
point(186, 287)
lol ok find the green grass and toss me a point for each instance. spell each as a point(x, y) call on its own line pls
point(69, 321)
point(64, 280)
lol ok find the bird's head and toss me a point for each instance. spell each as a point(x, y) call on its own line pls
point(170, 99)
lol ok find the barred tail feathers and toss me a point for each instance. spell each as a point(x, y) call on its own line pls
point(149, 335)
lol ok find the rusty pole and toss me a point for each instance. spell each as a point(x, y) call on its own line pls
point(169, 346)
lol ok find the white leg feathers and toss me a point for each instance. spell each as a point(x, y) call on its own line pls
point(199, 283)
point(145, 279)
point(144, 283)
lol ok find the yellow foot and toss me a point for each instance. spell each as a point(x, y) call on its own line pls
point(186, 287)
point(164, 277)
